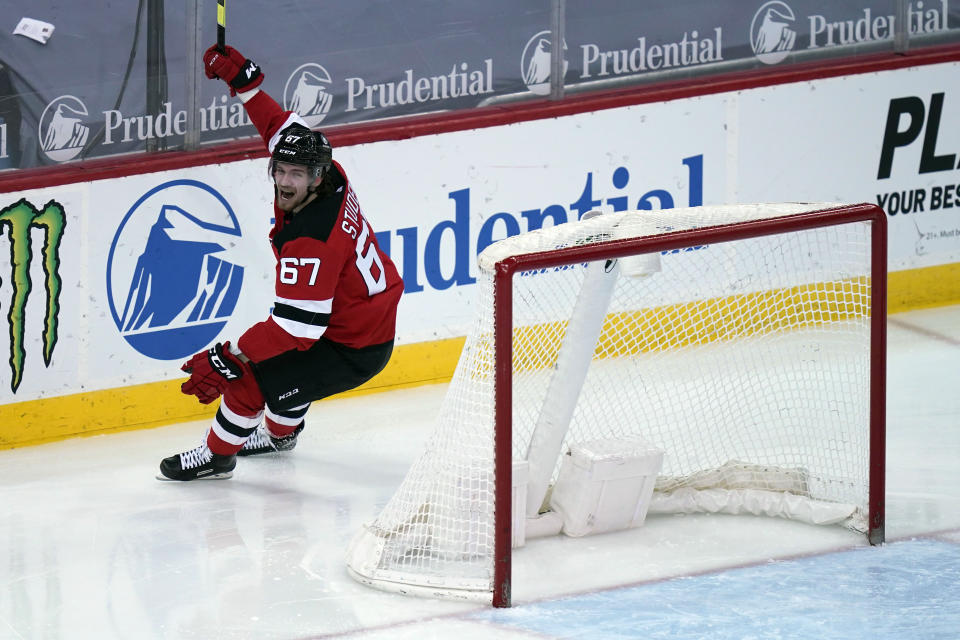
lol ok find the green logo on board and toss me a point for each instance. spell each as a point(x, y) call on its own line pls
point(17, 222)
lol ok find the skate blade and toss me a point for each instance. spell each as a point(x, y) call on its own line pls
point(212, 476)
point(257, 452)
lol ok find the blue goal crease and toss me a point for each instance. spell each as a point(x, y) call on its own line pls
point(902, 589)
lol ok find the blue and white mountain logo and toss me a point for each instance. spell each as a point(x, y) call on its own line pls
point(308, 93)
point(61, 129)
point(174, 274)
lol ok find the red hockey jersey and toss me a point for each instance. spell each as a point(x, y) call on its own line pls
point(332, 279)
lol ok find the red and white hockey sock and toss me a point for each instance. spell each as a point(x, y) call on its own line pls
point(230, 429)
point(286, 422)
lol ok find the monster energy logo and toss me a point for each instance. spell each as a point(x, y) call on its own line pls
point(18, 220)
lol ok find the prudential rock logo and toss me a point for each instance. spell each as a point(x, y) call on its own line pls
point(61, 129)
point(174, 271)
point(307, 92)
point(535, 63)
point(771, 34)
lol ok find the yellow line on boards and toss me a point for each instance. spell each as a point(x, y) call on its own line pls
point(161, 403)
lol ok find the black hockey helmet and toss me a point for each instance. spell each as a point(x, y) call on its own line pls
point(300, 145)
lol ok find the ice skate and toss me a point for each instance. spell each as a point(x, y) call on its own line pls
point(262, 442)
point(197, 464)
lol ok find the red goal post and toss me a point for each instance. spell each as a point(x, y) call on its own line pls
point(761, 315)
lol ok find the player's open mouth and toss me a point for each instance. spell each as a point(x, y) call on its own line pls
point(286, 195)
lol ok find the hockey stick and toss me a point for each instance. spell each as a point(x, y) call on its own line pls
point(221, 24)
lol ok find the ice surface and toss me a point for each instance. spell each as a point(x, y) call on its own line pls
point(92, 546)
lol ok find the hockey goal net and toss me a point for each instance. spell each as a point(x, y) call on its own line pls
point(746, 342)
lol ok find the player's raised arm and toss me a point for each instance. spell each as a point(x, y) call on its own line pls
point(244, 77)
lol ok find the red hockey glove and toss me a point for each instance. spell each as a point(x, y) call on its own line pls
point(212, 371)
point(242, 74)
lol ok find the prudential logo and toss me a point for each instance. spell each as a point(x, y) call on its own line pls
point(535, 63)
point(308, 93)
point(62, 130)
point(174, 272)
point(771, 35)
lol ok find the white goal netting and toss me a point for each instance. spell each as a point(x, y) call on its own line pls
point(747, 362)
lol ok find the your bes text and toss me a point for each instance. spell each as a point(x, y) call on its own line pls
point(912, 120)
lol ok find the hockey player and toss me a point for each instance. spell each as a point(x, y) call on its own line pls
point(332, 323)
